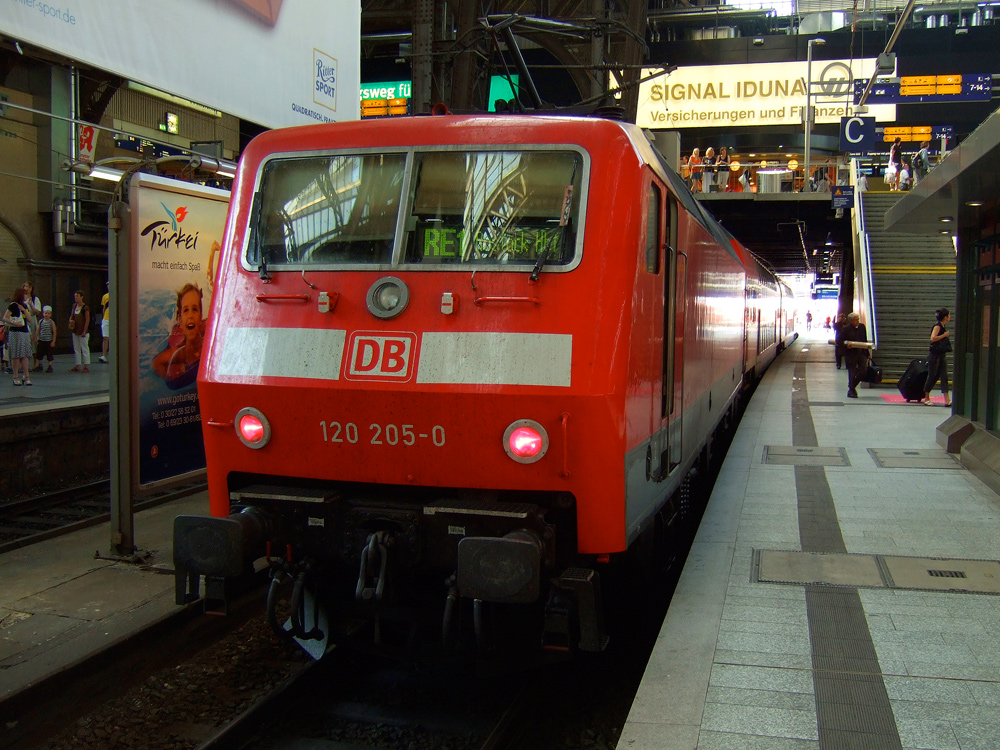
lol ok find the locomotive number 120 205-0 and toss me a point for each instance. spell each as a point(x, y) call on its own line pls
point(457, 369)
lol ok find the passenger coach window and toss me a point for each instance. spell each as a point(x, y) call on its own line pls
point(496, 207)
point(328, 210)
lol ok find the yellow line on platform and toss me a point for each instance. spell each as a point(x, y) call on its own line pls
point(913, 269)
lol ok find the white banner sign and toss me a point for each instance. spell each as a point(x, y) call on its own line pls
point(759, 94)
point(271, 62)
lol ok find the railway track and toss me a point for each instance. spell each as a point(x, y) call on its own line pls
point(341, 703)
point(67, 707)
point(35, 519)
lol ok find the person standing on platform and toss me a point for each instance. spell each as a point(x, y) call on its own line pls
point(855, 339)
point(47, 333)
point(809, 320)
point(722, 171)
point(79, 326)
point(896, 162)
point(921, 162)
point(696, 169)
point(18, 338)
point(906, 174)
point(708, 179)
point(937, 365)
point(34, 315)
point(105, 324)
point(838, 338)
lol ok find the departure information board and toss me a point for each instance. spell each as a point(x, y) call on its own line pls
point(918, 133)
point(967, 87)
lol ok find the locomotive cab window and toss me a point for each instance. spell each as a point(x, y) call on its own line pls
point(426, 208)
point(328, 210)
point(494, 207)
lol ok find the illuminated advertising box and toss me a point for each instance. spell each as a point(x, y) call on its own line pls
point(711, 96)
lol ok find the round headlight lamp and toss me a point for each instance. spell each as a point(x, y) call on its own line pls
point(525, 441)
point(252, 428)
point(388, 297)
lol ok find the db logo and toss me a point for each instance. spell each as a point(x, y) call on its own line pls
point(375, 355)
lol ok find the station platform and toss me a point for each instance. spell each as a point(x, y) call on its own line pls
point(64, 599)
point(58, 389)
point(841, 590)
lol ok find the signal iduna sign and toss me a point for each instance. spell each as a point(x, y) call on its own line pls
point(753, 94)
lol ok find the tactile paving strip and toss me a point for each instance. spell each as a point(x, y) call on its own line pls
point(794, 455)
point(876, 571)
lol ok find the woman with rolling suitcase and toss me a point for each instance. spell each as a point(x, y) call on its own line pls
point(937, 366)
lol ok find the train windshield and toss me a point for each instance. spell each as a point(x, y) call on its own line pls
point(426, 208)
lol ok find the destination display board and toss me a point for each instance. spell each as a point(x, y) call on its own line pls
point(918, 133)
point(965, 87)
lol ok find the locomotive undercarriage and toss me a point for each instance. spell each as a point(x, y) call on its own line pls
point(403, 565)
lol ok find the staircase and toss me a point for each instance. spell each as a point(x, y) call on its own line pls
point(912, 276)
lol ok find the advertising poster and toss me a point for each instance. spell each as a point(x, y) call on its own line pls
point(176, 233)
point(273, 62)
point(754, 94)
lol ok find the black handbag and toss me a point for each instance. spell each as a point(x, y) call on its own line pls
point(942, 346)
point(874, 373)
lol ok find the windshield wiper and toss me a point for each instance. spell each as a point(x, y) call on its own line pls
point(538, 267)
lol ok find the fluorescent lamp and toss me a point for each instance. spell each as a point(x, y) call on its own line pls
point(106, 173)
point(173, 99)
point(220, 167)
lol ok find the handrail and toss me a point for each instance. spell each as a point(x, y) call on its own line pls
point(863, 272)
point(282, 297)
point(483, 300)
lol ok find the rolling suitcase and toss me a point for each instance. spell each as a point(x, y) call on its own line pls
point(911, 383)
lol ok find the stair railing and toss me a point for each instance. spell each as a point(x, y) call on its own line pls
point(863, 264)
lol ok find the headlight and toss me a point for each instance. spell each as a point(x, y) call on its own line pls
point(388, 297)
point(252, 428)
point(525, 441)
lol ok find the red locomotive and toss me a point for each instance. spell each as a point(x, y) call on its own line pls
point(461, 362)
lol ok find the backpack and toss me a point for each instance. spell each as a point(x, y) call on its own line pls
point(918, 161)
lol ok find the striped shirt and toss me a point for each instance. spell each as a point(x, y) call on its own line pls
point(45, 329)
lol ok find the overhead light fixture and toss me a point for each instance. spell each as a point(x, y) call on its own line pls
point(974, 204)
point(106, 173)
point(101, 170)
point(945, 219)
point(186, 103)
point(220, 167)
point(17, 46)
point(945, 231)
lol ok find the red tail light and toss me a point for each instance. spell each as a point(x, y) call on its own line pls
point(252, 428)
point(525, 441)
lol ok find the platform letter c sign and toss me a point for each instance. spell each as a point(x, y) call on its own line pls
point(857, 134)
